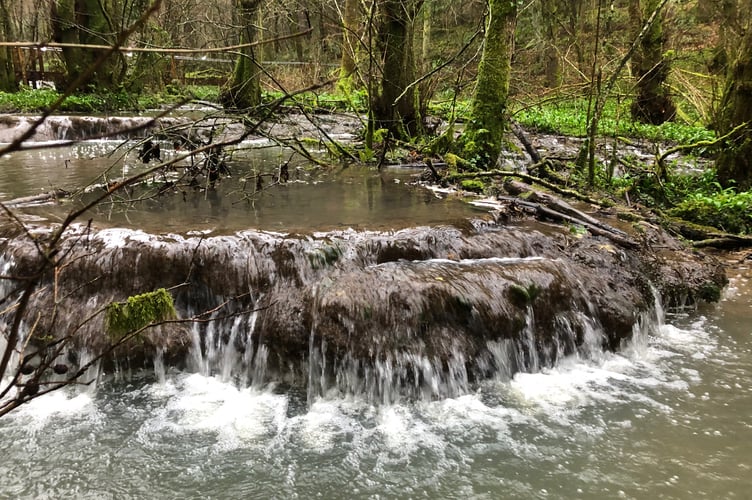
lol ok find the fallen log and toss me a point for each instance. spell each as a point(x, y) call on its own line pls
point(727, 242)
point(560, 206)
point(705, 237)
point(37, 198)
point(520, 134)
point(543, 212)
point(531, 179)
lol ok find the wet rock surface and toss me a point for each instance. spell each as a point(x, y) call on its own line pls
point(407, 306)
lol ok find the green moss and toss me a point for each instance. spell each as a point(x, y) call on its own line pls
point(710, 292)
point(521, 296)
point(325, 256)
point(473, 185)
point(456, 163)
point(122, 318)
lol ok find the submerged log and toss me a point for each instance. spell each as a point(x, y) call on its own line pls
point(49, 196)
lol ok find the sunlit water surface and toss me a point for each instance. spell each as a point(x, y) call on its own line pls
point(669, 417)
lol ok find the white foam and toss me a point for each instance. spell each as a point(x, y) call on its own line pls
point(196, 403)
point(50, 408)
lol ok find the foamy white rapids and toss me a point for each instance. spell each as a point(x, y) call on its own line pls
point(583, 429)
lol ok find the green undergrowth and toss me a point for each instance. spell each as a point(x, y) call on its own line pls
point(570, 118)
point(726, 209)
point(29, 100)
point(339, 101)
point(696, 198)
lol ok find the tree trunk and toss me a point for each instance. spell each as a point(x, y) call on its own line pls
point(87, 22)
point(7, 73)
point(734, 163)
point(551, 54)
point(349, 38)
point(8, 81)
point(397, 114)
point(653, 103)
point(482, 139)
point(726, 13)
point(244, 90)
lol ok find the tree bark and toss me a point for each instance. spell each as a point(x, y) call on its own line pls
point(653, 103)
point(8, 81)
point(87, 22)
point(482, 139)
point(244, 90)
point(734, 162)
point(394, 107)
point(549, 13)
point(349, 38)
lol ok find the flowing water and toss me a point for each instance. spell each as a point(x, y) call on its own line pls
point(669, 416)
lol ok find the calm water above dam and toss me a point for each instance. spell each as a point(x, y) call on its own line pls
point(315, 198)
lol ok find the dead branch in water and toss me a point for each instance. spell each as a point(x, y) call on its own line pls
point(530, 179)
point(550, 207)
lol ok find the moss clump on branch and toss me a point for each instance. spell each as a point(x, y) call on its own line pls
point(122, 318)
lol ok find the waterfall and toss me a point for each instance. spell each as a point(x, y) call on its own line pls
point(422, 313)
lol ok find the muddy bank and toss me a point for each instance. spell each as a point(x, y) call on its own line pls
point(424, 302)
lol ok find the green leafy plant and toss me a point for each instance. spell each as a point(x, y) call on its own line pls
point(138, 311)
point(727, 210)
point(569, 117)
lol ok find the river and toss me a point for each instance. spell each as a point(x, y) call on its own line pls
point(669, 416)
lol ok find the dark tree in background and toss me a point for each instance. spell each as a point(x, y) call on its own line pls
point(653, 103)
point(734, 162)
point(7, 71)
point(244, 89)
point(394, 105)
point(88, 22)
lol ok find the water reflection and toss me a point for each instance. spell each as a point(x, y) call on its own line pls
point(313, 199)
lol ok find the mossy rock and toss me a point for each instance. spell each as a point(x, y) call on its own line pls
point(473, 185)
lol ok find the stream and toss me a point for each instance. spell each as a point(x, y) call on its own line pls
point(668, 416)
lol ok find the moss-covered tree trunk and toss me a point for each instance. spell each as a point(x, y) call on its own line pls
point(481, 142)
point(87, 22)
point(734, 163)
point(244, 88)
point(8, 81)
point(394, 106)
point(653, 103)
point(350, 16)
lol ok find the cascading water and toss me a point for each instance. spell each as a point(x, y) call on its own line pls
point(482, 360)
point(663, 419)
